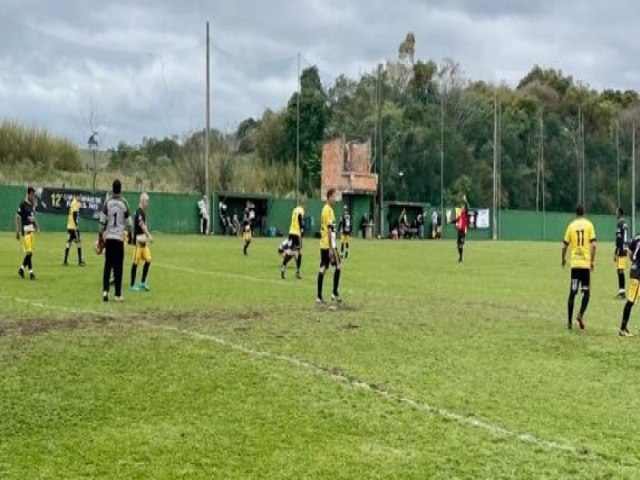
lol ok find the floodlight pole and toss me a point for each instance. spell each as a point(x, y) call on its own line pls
point(442, 154)
point(495, 165)
point(298, 133)
point(633, 178)
point(618, 157)
point(208, 129)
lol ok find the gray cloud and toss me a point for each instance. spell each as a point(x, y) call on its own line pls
point(140, 67)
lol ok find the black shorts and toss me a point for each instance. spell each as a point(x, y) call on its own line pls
point(295, 242)
point(73, 236)
point(326, 260)
point(580, 278)
point(461, 237)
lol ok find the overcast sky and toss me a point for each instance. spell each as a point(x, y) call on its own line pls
point(138, 66)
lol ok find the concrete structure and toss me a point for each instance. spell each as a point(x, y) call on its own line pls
point(347, 168)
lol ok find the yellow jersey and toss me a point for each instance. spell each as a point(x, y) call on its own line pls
point(295, 228)
point(327, 226)
point(74, 212)
point(579, 237)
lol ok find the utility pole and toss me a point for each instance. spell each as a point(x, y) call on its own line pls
point(633, 178)
point(208, 128)
point(381, 155)
point(442, 95)
point(544, 220)
point(495, 166)
point(298, 133)
point(618, 156)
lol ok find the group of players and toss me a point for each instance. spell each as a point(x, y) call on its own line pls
point(115, 231)
point(580, 238)
point(291, 247)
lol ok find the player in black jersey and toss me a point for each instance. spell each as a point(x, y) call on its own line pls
point(345, 227)
point(620, 253)
point(26, 228)
point(634, 285)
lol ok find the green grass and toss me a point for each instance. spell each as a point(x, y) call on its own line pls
point(225, 371)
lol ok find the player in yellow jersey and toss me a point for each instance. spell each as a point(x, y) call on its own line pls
point(581, 238)
point(328, 248)
point(294, 250)
point(73, 230)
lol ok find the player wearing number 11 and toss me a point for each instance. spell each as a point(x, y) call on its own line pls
point(581, 238)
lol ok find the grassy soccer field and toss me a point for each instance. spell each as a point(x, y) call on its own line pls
point(430, 369)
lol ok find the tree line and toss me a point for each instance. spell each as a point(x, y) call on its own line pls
point(551, 129)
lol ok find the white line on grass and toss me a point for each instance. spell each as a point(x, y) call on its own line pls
point(493, 429)
point(237, 276)
point(418, 404)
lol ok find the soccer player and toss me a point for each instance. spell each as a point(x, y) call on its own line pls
point(581, 237)
point(620, 253)
point(203, 213)
point(113, 224)
point(634, 285)
point(73, 232)
point(246, 229)
point(328, 249)
point(462, 224)
point(345, 227)
point(26, 227)
point(296, 230)
point(142, 238)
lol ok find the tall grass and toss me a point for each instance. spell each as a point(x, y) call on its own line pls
point(29, 147)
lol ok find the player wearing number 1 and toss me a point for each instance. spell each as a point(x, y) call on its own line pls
point(581, 238)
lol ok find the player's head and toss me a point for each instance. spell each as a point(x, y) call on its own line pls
point(144, 200)
point(31, 194)
point(116, 188)
point(579, 211)
point(331, 196)
point(302, 202)
point(620, 212)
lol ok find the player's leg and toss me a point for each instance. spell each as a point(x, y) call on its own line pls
point(146, 256)
point(573, 291)
point(108, 267)
point(346, 253)
point(324, 264)
point(67, 247)
point(79, 245)
point(118, 265)
point(460, 246)
point(286, 258)
point(134, 268)
point(632, 296)
point(335, 295)
point(26, 261)
point(299, 264)
point(621, 286)
point(585, 280)
point(29, 246)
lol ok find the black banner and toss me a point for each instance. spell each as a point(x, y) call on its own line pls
point(57, 200)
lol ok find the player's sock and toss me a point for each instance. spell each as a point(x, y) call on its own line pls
point(460, 254)
point(299, 262)
point(79, 255)
point(620, 281)
point(29, 264)
point(320, 280)
point(342, 248)
point(336, 281)
point(346, 255)
point(570, 303)
point(585, 302)
point(286, 260)
point(134, 270)
point(66, 254)
point(145, 271)
point(25, 262)
point(626, 313)
point(246, 246)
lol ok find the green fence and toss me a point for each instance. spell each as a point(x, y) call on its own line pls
point(178, 213)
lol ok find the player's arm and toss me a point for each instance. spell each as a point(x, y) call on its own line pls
point(76, 214)
point(18, 223)
point(565, 245)
point(301, 224)
point(593, 247)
